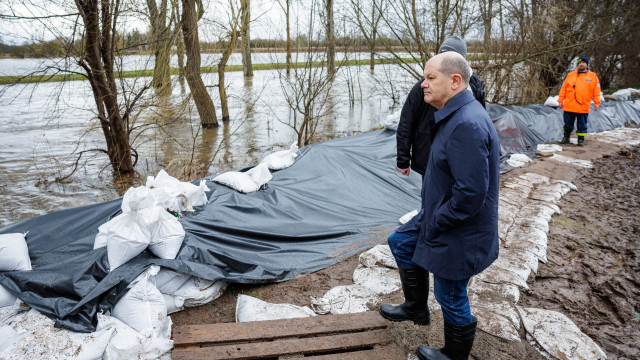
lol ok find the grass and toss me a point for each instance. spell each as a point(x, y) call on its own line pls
point(26, 79)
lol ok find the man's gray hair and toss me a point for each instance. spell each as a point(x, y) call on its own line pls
point(454, 63)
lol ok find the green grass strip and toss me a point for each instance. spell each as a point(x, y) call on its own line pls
point(26, 79)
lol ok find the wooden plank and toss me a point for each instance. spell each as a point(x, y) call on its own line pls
point(387, 352)
point(287, 347)
point(274, 329)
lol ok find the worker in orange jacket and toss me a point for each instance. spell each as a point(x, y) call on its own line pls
point(578, 89)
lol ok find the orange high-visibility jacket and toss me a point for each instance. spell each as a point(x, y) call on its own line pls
point(578, 90)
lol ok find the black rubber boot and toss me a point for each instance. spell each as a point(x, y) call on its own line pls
point(565, 138)
point(458, 341)
point(580, 140)
point(415, 286)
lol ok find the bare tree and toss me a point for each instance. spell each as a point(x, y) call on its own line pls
point(162, 40)
point(307, 90)
point(286, 7)
point(368, 25)
point(245, 10)
point(232, 37)
point(100, 23)
point(330, 37)
point(201, 97)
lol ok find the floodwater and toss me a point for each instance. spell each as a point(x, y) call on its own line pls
point(43, 125)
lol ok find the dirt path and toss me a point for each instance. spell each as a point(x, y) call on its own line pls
point(591, 276)
point(594, 256)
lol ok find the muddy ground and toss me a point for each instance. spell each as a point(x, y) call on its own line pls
point(592, 274)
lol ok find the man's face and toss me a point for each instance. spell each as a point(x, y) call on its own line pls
point(436, 86)
point(582, 66)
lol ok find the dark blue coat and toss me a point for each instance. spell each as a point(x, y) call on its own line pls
point(458, 222)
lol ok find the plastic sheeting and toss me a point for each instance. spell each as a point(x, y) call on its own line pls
point(338, 197)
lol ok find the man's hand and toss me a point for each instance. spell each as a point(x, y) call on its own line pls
point(404, 171)
point(560, 106)
point(596, 107)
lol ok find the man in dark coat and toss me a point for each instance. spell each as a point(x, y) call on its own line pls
point(413, 138)
point(455, 235)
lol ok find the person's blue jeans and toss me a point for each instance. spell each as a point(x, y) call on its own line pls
point(450, 294)
point(403, 245)
point(453, 299)
point(570, 118)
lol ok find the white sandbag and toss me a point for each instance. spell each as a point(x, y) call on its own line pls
point(14, 253)
point(552, 101)
point(142, 307)
point(175, 192)
point(127, 343)
point(555, 334)
point(378, 255)
point(281, 159)
point(31, 335)
point(251, 309)
point(345, 299)
point(625, 94)
point(380, 280)
point(498, 319)
point(6, 298)
point(565, 159)
point(245, 182)
point(173, 304)
point(125, 239)
point(167, 235)
point(549, 147)
point(392, 120)
point(137, 198)
point(169, 281)
point(408, 216)
point(196, 291)
point(101, 236)
point(518, 160)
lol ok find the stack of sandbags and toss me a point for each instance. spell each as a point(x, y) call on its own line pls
point(143, 224)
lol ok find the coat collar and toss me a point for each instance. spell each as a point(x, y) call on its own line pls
point(459, 100)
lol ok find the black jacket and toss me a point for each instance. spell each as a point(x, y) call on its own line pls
point(415, 129)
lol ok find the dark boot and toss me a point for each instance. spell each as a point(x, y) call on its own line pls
point(580, 140)
point(415, 286)
point(565, 138)
point(458, 341)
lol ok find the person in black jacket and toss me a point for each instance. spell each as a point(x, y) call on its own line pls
point(414, 132)
point(414, 135)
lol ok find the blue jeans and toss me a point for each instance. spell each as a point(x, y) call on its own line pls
point(570, 118)
point(403, 245)
point(453, 299)
point(450, 294)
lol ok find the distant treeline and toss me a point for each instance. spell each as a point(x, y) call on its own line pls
point(138, 43)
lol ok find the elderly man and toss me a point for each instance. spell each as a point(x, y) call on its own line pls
point(455, 235)
point(413, 139)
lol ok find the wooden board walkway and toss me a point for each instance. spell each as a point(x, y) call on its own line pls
point(325, 337)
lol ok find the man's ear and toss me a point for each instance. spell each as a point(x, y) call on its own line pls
point(456, 81)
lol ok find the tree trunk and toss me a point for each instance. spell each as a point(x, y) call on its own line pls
point(162, 41)
point(247, 66)
point(201, 97)
point(99, 19)
point(372, 43)
point(331, 40)
point(287, 14)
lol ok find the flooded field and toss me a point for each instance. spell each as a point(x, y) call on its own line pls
point(43, 124)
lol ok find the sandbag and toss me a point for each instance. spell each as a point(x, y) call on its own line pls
point(169, 281)
point(281, 159)
point(14, 253)
point(252, 309)
point(137, 198)
point(196, 291)
point(167, 235)
point(170, 192)
point(6, 298)
point(245, 182)
point(125, 239)
point(552, 101)
point(143, 306)
point(127, 343)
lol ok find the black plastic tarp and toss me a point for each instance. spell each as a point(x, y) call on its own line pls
point(339, 197)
